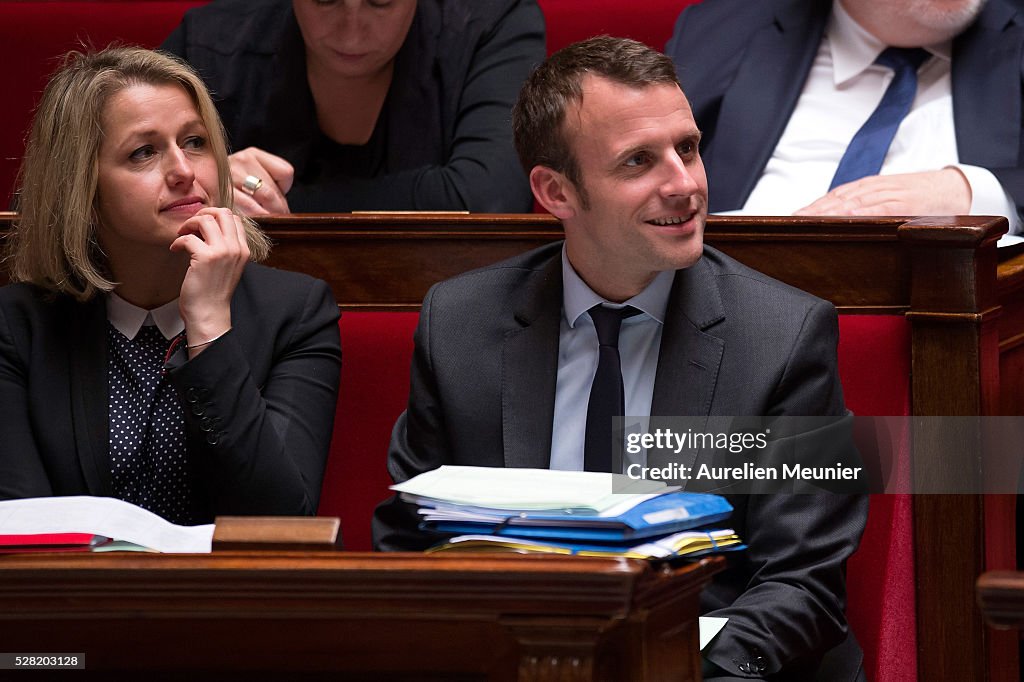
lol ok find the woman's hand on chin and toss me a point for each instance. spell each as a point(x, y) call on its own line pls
point(216, 243)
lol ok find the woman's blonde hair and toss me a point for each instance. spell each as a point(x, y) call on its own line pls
point(54, 243)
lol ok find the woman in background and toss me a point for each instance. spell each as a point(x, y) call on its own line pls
point(142, 355)
point(344, 105)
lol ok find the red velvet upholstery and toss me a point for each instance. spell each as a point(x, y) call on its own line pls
point(874, 365)
point(376, 355)
point(649, 21)
point(33, 36)
point(881, 343)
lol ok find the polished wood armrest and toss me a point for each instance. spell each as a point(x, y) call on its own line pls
point(1001, 598)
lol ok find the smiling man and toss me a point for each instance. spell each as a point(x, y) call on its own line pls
point(509, 370)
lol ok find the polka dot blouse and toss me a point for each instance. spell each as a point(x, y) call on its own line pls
point(147, 427)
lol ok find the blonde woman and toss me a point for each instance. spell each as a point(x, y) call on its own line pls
point(143, 355)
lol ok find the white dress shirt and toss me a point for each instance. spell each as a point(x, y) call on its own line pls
point(842, 90)
point(639, 345)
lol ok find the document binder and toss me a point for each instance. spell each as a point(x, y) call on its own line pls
point(655, 515)
point(690, 544)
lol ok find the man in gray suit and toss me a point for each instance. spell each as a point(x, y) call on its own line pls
point(505, 356)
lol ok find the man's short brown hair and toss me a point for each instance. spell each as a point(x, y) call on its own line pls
point(538, 118)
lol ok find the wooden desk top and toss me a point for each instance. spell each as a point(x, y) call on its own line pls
point(267, 615)
point(109, 582)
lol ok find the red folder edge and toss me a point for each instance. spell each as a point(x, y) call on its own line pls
point(46, 542)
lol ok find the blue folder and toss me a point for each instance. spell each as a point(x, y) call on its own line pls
point(661, 515)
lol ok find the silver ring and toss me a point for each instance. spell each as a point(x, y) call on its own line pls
point(251, 184)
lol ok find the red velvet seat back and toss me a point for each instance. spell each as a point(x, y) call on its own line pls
point(874, 365)
point(376, 355)
point(649, 21)
point(33, 36)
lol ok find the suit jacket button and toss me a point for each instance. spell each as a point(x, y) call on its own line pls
point(198, 409)
point(207, 424)
point(212, 438)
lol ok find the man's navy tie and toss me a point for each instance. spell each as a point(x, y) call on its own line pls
point(607, 398)
point(866, 151)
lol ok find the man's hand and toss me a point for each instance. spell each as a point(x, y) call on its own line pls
point(940, 192)
point(277, 176)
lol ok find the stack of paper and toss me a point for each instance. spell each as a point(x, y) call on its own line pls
point(568, 512)
point(93, 523)
point(530, 489)
point(687, 543)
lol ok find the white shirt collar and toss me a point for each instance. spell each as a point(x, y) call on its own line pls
point(129, 319)
point(854, 49)
point(578, 297)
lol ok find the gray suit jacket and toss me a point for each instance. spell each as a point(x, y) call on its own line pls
point(735, 343)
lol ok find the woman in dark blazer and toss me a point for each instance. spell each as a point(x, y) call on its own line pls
point(143, 355)
point(368, 104)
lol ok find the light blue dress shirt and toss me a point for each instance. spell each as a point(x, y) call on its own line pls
point(639, 344)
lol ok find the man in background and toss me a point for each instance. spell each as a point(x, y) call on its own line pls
point(857, 107)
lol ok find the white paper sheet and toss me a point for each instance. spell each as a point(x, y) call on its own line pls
point(1009, 240)
point(709, 627)
point(528, 489)
point(115, 519)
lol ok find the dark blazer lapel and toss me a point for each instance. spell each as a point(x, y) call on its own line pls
point(761, 98)
point(530, 369)
point(987, 87)
point(287, 128)
point(414, 110)
point(87, 339)
point(690, 357)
